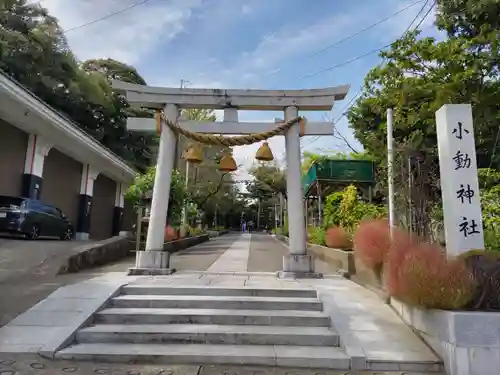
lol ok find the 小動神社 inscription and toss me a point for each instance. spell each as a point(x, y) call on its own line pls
point(461, 160)
point(465, 194)
point(463, 223)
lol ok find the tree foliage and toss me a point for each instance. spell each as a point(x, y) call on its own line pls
point(268, 180)
point(418, 77)
point(140, 192)
point(34, 51)
point(465, 18)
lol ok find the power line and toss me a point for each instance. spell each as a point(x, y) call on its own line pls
point(416, 17)
point(107, 16)
point(371, 52)
point(366, 28)
point(344, 110)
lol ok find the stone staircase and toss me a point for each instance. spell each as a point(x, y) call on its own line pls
point(209, 325)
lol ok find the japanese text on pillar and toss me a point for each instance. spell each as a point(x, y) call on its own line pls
point(465, 195)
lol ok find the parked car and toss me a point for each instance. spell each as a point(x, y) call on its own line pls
point(32, 218)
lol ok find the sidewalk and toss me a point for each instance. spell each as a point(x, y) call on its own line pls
point(267, 252)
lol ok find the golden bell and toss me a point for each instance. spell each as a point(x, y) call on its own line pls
point(264, 153)
point(193, 155)
point(227, 163)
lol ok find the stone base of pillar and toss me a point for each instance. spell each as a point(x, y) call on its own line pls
point(299, 267)
point(151, 263)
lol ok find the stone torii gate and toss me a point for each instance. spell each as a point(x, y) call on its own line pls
point(171, 100)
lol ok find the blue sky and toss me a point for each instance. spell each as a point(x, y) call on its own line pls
point(266, 44)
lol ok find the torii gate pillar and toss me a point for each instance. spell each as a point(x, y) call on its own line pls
point(297, 264)
point(154, 258)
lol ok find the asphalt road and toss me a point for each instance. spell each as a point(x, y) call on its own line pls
point(27, 273)
point(28, 269)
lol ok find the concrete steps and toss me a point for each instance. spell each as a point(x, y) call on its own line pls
point(208, 334)
point(212, 316)
point(215, 291)
point(202, 325)
point(216, 302)
point(266, 355)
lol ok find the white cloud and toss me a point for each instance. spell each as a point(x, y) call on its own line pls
point(395, 27)
point(124, 36)
point(246, 9)
point(131, 34)
point(288, 42)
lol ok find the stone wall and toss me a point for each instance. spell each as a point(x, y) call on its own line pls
point(340, 259)
point(113, 249)
point(467, 341)
point(96, 254)
point(216, 233)
point(184, 243)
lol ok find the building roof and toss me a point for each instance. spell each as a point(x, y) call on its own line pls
point(26, 111)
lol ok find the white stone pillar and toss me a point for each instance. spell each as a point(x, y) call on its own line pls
point(298, 263)
point(38, 148)
point(463, 222)
point(89, 175)
point(154, 260)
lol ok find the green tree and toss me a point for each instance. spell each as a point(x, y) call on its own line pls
point(269, 180)
point(416, 79)
point(113, 69)
point(137, 148)
point(467, 18)
point(34, 51)
point(140, 192)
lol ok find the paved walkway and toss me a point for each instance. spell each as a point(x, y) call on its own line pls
point(266, 255)
point(368, 328)
point(235, 258)
point(28, 269)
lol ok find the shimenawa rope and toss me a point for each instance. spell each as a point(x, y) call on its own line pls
point(241, 140)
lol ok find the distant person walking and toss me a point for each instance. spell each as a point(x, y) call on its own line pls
point(243, 226)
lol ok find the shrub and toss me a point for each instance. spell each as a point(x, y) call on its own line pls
point(372, 243)
point(400, 244)
point(331, 212)
point(316, 235)
point(284, 230)
point(345, 209)
point(485, 269)
point(338, 238)
point(195, 231)
point(427, 279)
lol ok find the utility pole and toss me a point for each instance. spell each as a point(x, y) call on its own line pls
point(390, 166)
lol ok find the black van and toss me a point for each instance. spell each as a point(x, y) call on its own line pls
point(33, 219)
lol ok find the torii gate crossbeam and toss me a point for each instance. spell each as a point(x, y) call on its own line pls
point(154, 260)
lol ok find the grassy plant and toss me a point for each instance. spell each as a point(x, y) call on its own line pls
point(338, 238)
point(426, 278)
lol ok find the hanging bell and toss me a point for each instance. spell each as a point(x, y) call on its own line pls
point(193, 155)
point(264, 153)
point(227, 163)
